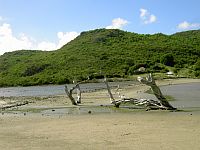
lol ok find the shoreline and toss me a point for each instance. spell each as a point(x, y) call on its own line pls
point(98, 97)
point(115, 130)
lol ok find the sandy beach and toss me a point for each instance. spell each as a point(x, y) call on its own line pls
point(140, 129)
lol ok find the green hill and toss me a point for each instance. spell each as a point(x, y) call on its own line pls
point(100, 52)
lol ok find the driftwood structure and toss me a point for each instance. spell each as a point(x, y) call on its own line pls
point(156, 91)
point(161, 103)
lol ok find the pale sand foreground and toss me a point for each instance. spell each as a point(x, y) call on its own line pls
point(140, 130)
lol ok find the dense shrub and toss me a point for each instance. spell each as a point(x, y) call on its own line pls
point(167, 59)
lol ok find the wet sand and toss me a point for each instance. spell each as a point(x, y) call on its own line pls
point(140, 129)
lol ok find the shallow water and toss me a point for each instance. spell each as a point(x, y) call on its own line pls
point(56, 89)
point(187, 96)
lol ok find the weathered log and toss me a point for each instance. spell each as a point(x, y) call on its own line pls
point(14, 105)
point(148, 103)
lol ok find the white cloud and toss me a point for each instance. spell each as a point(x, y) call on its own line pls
point(65, 38)
point(46, 46)
point(10, 42)
point(186, 25)
point(152, 18)
point(117, 23)
point(143, 12)
point(5, 30)
point(146, 17)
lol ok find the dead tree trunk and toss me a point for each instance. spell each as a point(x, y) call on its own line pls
point(70, 92)
point(112, 100)
point(156, 90)
point(149, 103)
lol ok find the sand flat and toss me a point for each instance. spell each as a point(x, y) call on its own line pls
point(141, 129)
point(145, 130)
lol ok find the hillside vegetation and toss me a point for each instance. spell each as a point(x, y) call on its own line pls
point(100, 52)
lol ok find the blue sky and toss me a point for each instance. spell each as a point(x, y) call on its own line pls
point(49, 24)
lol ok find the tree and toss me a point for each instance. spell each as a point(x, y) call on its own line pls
point(168, 60)
point(197, 65)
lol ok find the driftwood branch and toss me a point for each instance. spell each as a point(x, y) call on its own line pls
point(112, 100)
point(70, 92)
point(156, 90)
point(78, 93)
point(148, 103)
point(16, 104)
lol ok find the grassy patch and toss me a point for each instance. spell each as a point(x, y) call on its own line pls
point(169, 98)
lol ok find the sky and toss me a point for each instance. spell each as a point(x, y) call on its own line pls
point(49, 24)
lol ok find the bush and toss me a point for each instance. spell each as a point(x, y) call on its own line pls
point(167, 60)
point(197, 65)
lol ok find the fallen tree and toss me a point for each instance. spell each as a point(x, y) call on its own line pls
point(161, 103)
